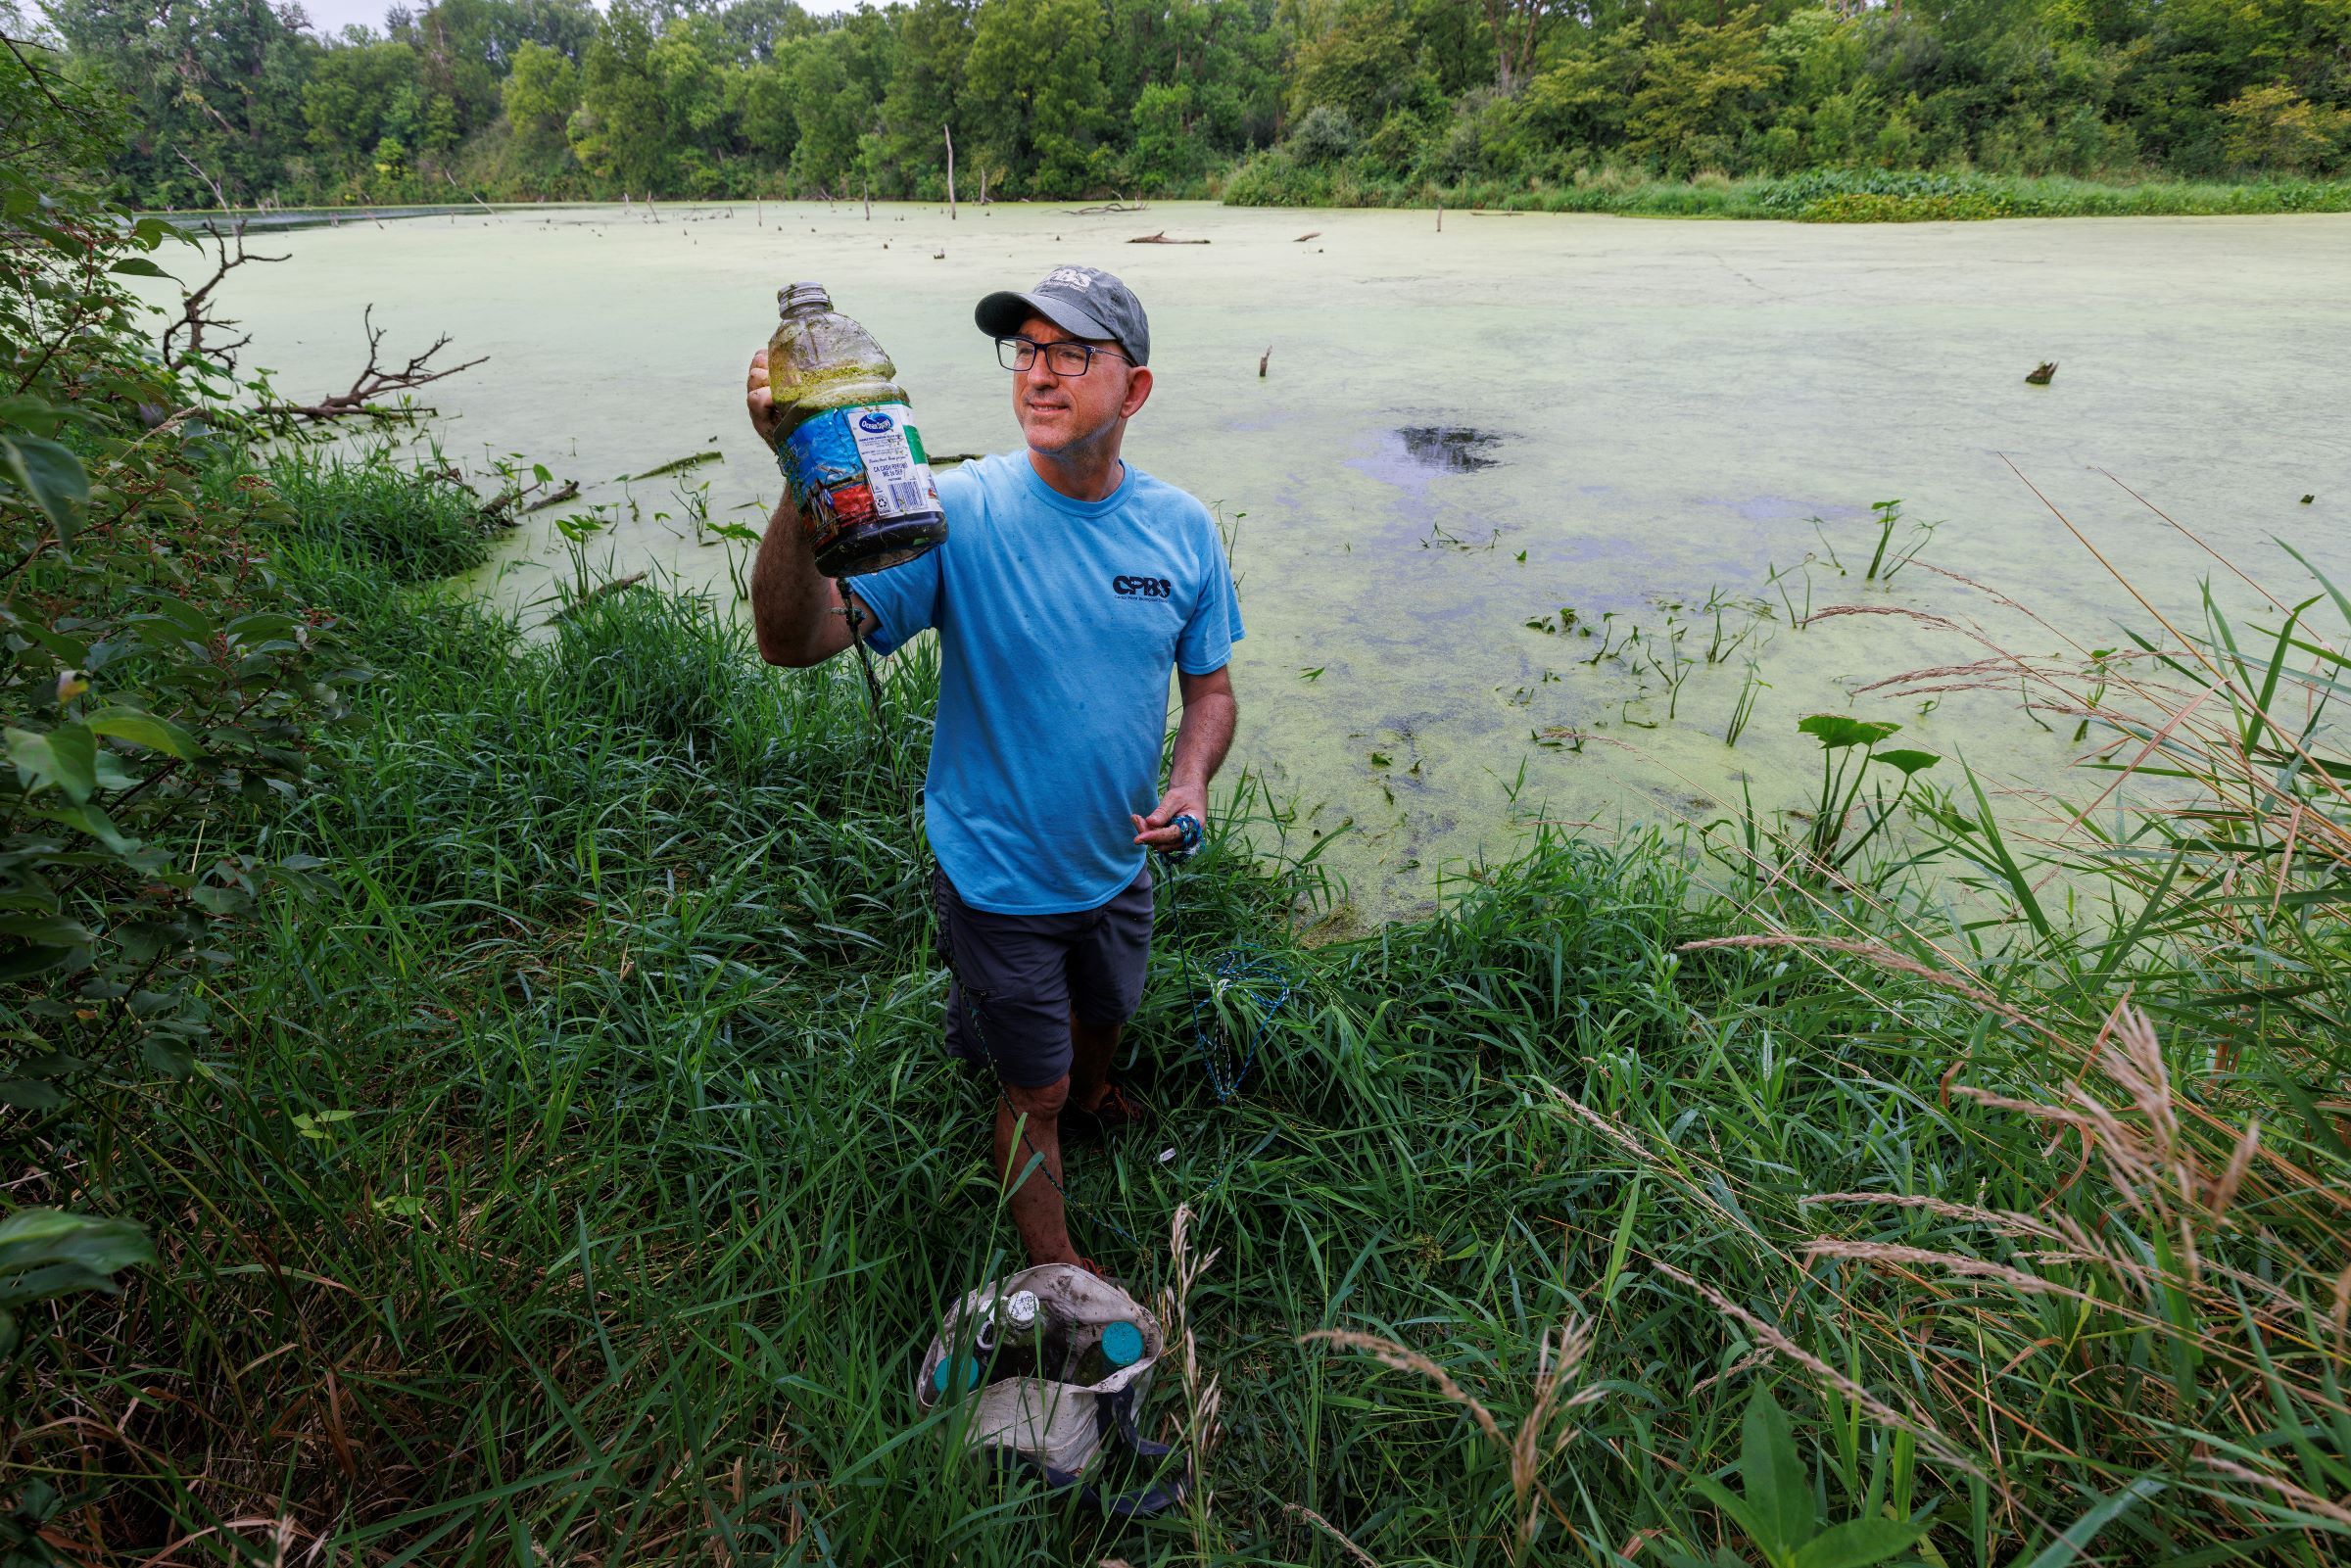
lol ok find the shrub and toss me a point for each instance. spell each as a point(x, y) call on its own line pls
point(1324, 136)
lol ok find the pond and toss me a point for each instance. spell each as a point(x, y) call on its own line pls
point(1480, 458)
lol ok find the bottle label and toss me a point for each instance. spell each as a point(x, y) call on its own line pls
point(895, 459)
point(858, 465)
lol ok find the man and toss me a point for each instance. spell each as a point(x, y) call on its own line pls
point(1069, 587)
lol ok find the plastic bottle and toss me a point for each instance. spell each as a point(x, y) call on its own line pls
point(1120, 1345)
point(956, 1374)
point(1004, 1340)
point(844, 438)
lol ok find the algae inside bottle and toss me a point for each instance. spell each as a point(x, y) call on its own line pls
point(845, 440)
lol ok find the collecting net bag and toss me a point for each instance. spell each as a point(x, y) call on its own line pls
point(1055, 1428)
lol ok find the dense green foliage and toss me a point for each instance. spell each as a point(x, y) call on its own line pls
point(497, 1068)
point(1353, 99)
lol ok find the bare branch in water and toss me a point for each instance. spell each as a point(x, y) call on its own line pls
point(372, 384)
point(183, 341)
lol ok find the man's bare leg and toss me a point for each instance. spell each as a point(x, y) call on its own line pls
point(1092, 1048)
point(1035, 1201)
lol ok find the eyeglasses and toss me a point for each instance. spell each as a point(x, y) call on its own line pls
point(1063, 358)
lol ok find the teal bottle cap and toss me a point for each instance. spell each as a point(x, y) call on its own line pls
point(1122, 1344)
point(955, 1374)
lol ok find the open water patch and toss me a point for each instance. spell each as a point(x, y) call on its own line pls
point(1449, 448)
point(1411, 457)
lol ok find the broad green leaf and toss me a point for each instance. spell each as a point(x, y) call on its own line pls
point(28, 412)
point(1836, 730)
point(1909, 762)
point(71, 652)
point(26, 1234)
point(222, 900)
point(88, 819)
point(28, 962)
point(190, 620)
point(143, 939)
point(48, 473)
point(1772, 1476)
point(261, 626)
point(167, 1056)
point(35, 1237)
point(1735, 1510)
point(138, 266)
point(29, 1094)
point(143, 729)
point(1856, 1544)
point(49, 1279)
point(67, 757)
point(45, 931)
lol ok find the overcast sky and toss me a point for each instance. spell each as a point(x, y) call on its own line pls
point(333, 15)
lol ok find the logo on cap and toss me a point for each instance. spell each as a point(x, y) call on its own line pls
point(1080, 278)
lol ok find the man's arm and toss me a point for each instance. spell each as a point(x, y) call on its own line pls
point(796, 611)
point(1202, 739)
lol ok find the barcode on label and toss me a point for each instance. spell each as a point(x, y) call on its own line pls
point(907, 497)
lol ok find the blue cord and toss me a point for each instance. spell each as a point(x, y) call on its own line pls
point(1243, 965)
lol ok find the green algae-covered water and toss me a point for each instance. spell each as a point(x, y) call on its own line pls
point(1464, 431)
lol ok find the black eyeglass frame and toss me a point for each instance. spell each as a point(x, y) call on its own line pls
point(1008, 351)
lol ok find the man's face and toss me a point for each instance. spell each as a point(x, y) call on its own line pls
point(1057, 413)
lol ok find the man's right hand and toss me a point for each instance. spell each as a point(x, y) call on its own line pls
point(761, 402)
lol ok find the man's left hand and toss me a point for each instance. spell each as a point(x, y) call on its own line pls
point(1158, 830)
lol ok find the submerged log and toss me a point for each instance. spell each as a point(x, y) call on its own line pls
point(1161, 238)
point(599, 591)
point(569, 490)
point(2041, 376)
point(676, 465)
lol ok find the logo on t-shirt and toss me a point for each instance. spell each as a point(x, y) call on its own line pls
point(1141, 587)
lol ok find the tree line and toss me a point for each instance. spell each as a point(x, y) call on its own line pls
point(518, 99)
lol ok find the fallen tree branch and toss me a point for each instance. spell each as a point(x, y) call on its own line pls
point(568, 491)
point(1161, 238)
point(373, 383)
point(676, 465)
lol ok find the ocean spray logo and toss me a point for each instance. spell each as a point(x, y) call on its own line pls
point(876, 424)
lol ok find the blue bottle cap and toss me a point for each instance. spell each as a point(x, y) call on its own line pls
point(955, 1374)
point(1122, 1344)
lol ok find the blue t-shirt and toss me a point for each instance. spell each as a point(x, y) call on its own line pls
point(1057, 621)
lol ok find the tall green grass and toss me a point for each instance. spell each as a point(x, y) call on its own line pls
point(583, 1180)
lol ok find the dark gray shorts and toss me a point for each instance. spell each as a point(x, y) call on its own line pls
point(1028, 973)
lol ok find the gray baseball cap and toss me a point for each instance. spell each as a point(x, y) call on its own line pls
point(1082, 300)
